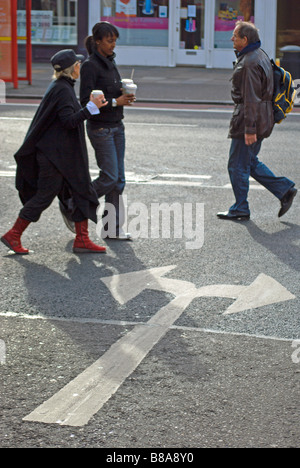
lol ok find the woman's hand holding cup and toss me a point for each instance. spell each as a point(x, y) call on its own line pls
point(126, 99)
point(98, 98)
point(129, 89)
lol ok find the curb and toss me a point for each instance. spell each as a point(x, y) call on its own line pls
point(145, 100)
point(140, 100)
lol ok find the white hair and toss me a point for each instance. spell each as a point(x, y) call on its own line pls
point(67, 73)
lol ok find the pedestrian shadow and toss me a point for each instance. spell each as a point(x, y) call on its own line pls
point(75, 291)
point(73, 297)
point(285, 244)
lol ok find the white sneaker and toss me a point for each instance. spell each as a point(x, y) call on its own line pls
point(124, 236)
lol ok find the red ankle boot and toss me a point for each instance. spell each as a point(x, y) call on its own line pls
point(12, 239)
point(82, 243)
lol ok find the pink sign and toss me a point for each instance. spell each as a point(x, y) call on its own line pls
point(138, 23)
point(225, 25)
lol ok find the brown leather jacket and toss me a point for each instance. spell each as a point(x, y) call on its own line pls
point(252, 92)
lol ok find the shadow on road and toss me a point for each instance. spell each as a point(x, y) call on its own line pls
point(284, 243)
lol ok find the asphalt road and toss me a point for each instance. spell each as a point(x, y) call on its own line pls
point(219, 367)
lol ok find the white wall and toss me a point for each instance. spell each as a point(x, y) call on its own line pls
point(266, 21)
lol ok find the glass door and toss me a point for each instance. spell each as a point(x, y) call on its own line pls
point(190, 28)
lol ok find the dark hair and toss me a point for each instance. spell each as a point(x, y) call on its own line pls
point(248, 30)
point(100, 30)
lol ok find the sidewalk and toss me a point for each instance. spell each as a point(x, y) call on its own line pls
point(155, 84)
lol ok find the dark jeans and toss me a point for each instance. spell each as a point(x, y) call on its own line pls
point(109, 146)
point(50, 185)
point(243, 163)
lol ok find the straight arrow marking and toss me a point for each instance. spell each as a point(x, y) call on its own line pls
point(82, 398)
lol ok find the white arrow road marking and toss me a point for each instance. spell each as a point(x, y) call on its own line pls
point(262, 292)
point(82, 398)
point(129, 285)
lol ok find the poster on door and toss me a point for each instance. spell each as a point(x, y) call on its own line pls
point(126, 8)
point(226, 16)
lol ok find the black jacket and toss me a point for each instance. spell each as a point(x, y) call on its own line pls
point(99, 72)
point(57, 131)
point(252, 93)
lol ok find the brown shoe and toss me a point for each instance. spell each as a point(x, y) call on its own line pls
point(287, 202)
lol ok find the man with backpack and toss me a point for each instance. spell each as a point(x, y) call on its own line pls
point(252, 121)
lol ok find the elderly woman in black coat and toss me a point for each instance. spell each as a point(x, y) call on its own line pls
point(53, 159)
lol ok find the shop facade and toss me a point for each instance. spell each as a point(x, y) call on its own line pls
point(163, 32)
point(183, 32)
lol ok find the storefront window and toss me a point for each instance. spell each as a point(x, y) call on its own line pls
point(288, 31)
point(140, 23)
point(192, 24)
point(52, 21)
point(5, 39)
point(226, 16)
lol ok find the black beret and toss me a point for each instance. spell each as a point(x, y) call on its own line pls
point(65, 59)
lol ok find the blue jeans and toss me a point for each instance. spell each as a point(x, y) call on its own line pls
point(243, 163)
point(109, 146)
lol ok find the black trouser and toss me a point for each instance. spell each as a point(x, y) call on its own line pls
point(50, 184)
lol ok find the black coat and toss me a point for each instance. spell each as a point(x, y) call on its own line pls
point(57, 131)
point(99, 72)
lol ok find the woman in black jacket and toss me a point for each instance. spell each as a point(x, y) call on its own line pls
point(53, 159)
point(106, 131)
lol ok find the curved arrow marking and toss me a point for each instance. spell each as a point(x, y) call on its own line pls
point(83, 397)
point(263, 291)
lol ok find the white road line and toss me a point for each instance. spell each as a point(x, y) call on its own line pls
point(223, 332)
point(7, 174)
point(26, 119)
point(19, 104)
point(179, 183)
point(157, 109)
point(82, 320)
point(141, 124)
point(185, 176)
point(130, 109)
point(157, 182)
point(149, 124)
point(125, 323)
point(199, 111)
point(174, 183)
